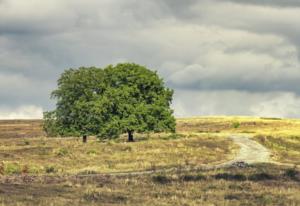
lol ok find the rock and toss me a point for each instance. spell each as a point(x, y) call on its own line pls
point(240, 164)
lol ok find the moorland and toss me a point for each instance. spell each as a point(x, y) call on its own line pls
point(195, 166)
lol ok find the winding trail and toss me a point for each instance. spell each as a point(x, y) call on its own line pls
point(250, 150)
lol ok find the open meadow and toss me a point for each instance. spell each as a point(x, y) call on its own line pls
point(156, 169)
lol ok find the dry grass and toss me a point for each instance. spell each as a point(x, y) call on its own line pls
point(20, 128)
point(258, 185)
point(285, 149)
point(281, 136)
point(71, 156)
point(36, 171)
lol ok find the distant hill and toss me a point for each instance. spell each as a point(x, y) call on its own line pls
point(21, 128)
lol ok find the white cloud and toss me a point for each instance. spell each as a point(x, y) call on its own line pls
point(283, 105)
point(221, 57)
point(273, 104)
point(22, 112)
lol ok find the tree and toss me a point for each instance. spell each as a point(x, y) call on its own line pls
point(77, 89)
point(125, 98)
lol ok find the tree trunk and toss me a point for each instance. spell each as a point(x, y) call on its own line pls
point(84, 139)
point(130, 136)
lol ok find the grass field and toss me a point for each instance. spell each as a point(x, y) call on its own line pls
point(71, 156)
point(256, 185)
point(281, 136)
point(51, 171)
point(20, 128)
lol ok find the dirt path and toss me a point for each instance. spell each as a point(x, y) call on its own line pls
point(250, 150)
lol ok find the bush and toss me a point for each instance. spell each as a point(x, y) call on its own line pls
point(261, 177)
point(236, 125)
point(50, 169)
point(26, 142)
point(291, 173)
point(161, 179)
point(232, 197)
point(192, 178)
point(227, 176)
point(12, 168)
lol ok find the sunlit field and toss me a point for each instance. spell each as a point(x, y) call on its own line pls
point(39, 170)
point(256, 185)
point(71, 156)
point(281, 136)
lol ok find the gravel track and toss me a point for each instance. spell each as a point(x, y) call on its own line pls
point(250, 150)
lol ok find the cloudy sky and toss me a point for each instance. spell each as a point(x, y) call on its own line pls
point(222, 57)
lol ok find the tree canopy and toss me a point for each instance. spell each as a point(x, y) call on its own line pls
point(125, 98)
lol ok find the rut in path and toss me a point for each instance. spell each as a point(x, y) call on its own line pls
point(250, 150)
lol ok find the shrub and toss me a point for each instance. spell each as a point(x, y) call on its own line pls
point(291, 173)
point(50, 169)
point(26, 142)
point(161, 179)
point(261, 177)
point(236, 125)
point(232, 197)
point(192, 178)
point(227, 176)
point(12, 168)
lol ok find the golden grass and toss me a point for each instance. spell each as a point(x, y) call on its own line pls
point(24, 163)
point(281, 136)
point(20, 128)
point(257, 185)
point(71, 156)
point(285, 149)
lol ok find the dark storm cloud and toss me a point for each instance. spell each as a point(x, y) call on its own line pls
point(199, 46)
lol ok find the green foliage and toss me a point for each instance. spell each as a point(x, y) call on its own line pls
point(236, 125)
point(50, 125)
point(12, 168)
point(26, 142)
point(107, 102)
point(291, 173)
point(50, 169)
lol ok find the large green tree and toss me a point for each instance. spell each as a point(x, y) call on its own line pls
point(125, 98)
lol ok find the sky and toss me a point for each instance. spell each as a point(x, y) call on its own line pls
point(221, 57)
